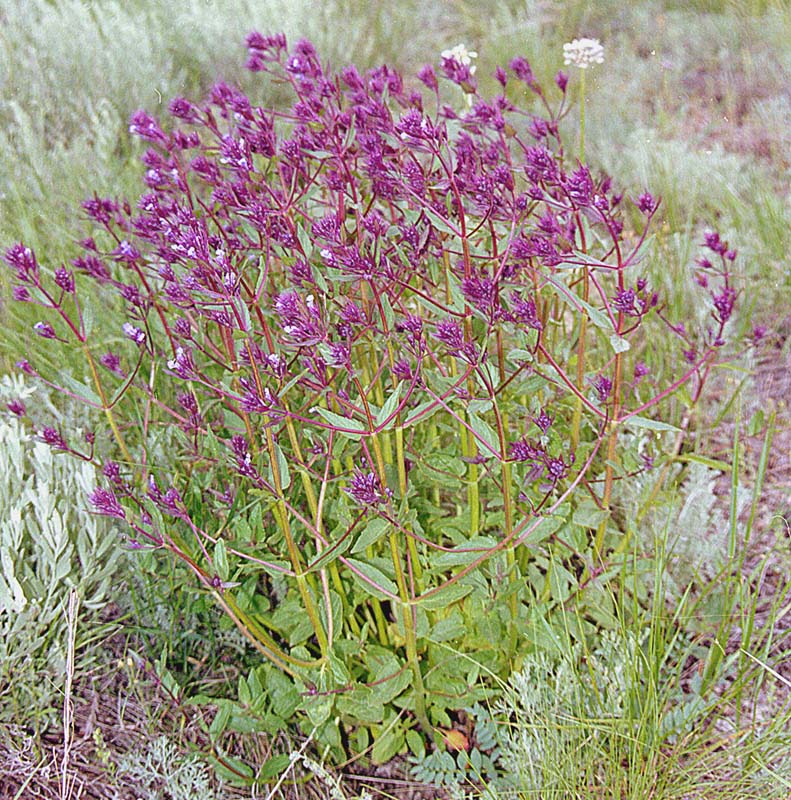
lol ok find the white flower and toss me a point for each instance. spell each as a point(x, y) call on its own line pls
point(583, 52)
point(461, 55)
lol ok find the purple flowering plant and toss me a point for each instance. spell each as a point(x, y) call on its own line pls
point(399, 342)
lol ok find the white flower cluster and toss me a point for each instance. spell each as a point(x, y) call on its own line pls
point(461, 55)
point(583, 52)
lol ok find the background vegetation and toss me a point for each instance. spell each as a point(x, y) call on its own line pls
point(692, 102)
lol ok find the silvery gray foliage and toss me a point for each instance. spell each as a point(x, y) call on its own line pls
point(49, 543)
point(161, 772)
point(547, 699)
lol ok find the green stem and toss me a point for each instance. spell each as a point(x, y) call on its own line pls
point(410, 635)
point(108, 412)
point(582, 115)
point(281, 515)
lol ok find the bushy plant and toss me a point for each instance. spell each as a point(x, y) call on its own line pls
point(50, 543)
point(400, 332)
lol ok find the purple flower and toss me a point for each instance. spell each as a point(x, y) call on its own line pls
point(182, 109)
point(522, 450)
point(23, 260)
point(100, 209)
point(133, 333)
point(690, 355)
point(711, 239)
point(16, 407)
point(561, 81)
point(579, 186)
point(23, 365)
point(428, 77)
point(525, 311)
point(45, 330)
point(145, 126)
point(450, 334)
point(112, 471)
point(413, 124)
point(53, 438)
point(328, 228)
point(410, 324)
point(125, 252)
point(624, 301)
point(603, 386)
point(21, 294)
point(253, 401)
point(112, 362)
point(540, 165)
point(64, 279)
point(402, 370)
point(521, 68)
point(646, 203)
point(365, 489)
point(556, 469)
point(339, 355)
point(92, 266)
point(182, 364)
point(479, 292)
point(640, 371)
point(188, 402)
point(105, 502)
point(723, 303)
point(543, 420)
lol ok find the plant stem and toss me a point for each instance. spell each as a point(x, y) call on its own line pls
point(281, 515)
point(582, 115)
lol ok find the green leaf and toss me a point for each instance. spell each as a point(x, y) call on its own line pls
point(374, 531)
point(452, 627)
point(517, 355)
point(387, 745)
point(461, 555)
point(282, 467)
point(337, 421)
point(274, 767)
point(544, 530)
point(619, 344)
point(415, 742)
point(339, 671)
point(361, 705)
point(221, 718)
point(243, 691)
point(421, 409)
point(481, 405)
point(446, 596)
point(589, 515)
point(485, 432)
point(598, 318)
point(82, 391)
point(711, 463)
point(282, 693)
point(375, 575)
point(650, 424)
point(304, 241)
point(388, 408)
point(232, 775)
point(318, 708)
point(441, 462)
point(388, 311)
point(221, 560)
